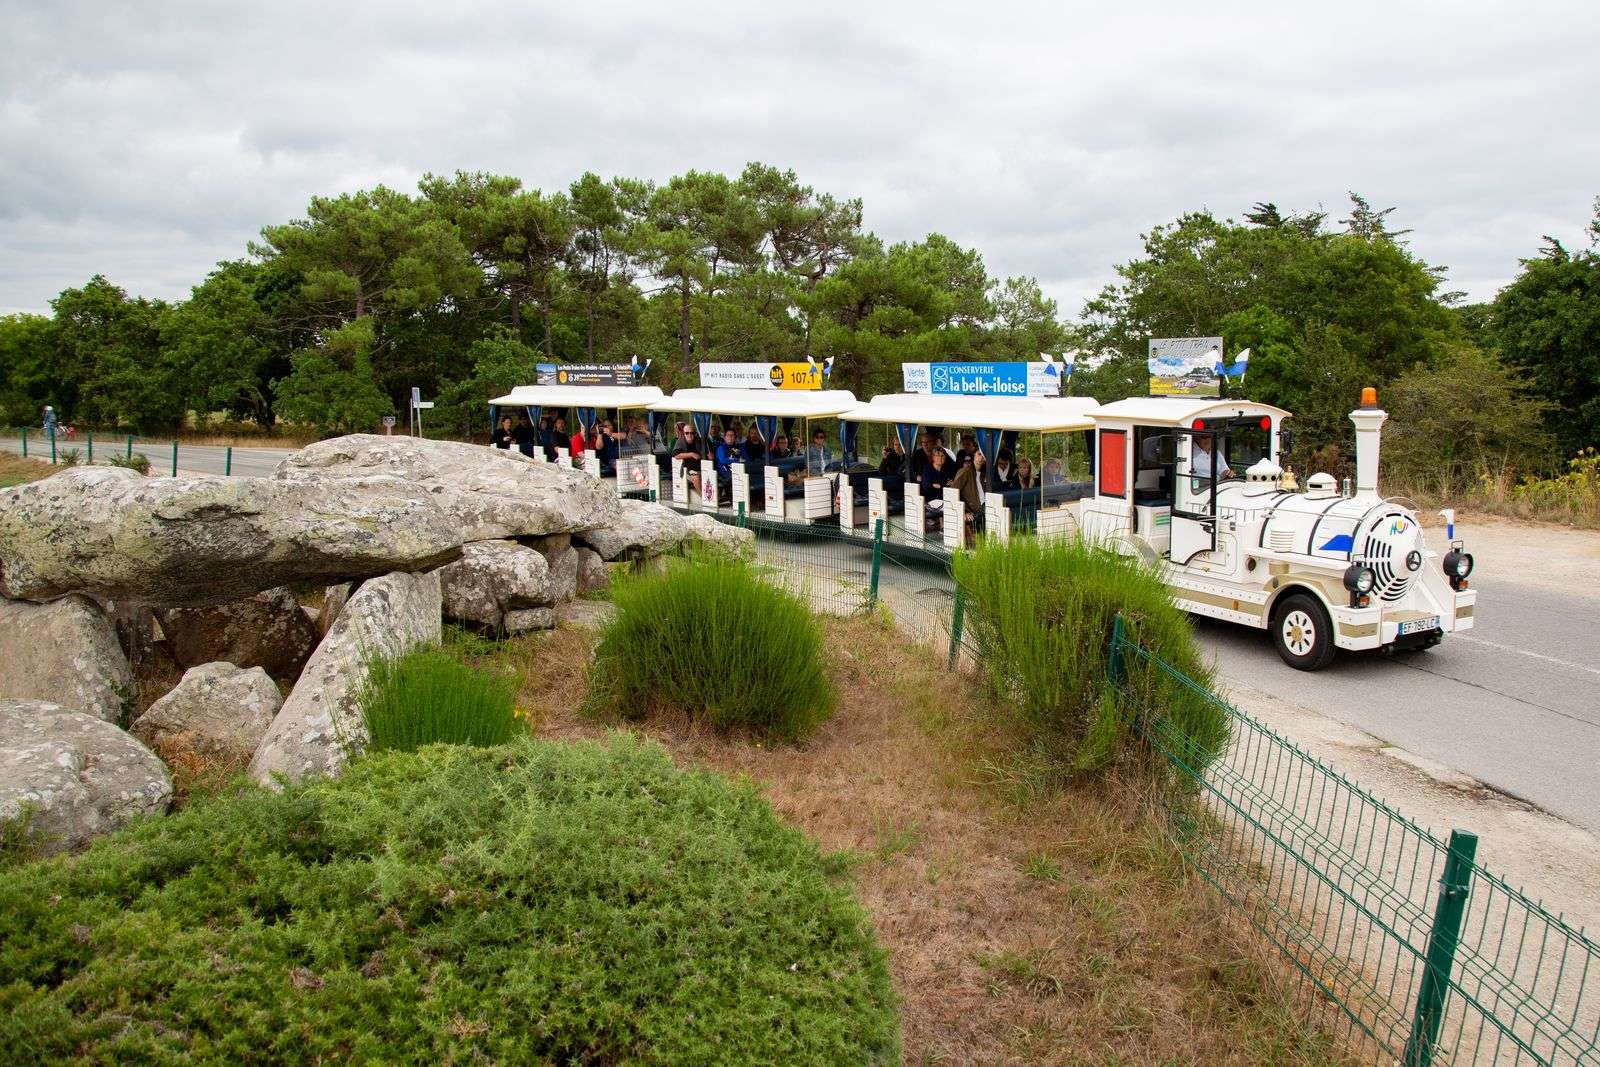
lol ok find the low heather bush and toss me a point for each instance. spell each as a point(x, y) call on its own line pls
point(534, 903)
point(430, 695)
point(1040, 614)
point(711, 639)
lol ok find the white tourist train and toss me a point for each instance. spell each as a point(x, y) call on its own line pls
point(1194, 485)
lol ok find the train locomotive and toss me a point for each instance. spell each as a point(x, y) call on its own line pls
point(1196, 486)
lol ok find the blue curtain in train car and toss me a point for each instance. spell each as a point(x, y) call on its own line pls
point(847, 441)
point(585, 418)
point(534, 411)
point(767, 427)
point(987, 441)
point(906, 434)
point(788, 431)
point(702, 426)
point(653, 420)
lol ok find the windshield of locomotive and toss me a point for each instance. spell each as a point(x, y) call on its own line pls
point(1245, 441)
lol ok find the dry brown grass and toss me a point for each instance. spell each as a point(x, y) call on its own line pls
point(1028, 921)
point(14, 470)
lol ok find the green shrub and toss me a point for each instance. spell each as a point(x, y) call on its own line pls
point(134, 461)
point(709, 638)
point(1040, 613)
point(68, 457)
point(429, 695)
point(535, 903)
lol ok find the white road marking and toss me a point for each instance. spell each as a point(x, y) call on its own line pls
point(1524, 652)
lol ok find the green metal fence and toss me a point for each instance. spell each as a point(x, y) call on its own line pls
point(154, 455)
point(1424, 955)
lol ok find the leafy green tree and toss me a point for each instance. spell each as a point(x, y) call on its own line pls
point(331, 386)
point(1461, 420)
point(28, 378)
point(605, 218)
point(227, 345)
point(499, 363)
point(520, 238)
point(112, 370)
point(371, 254)
point(808, 234)
point(699, 232)
point(1025, 324)
point(1547, 323)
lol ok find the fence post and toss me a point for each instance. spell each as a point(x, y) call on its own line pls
point(1114, 666)
point(24, 442)
point(652, 496)
point(52, 444)
point(90, 435)
point(129, 454)
point(877, 559)
point(227, 463)
point(741, 514)
point(174, 459)
point(1448, 910)
point(955, 627)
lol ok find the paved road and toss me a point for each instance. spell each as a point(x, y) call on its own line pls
point(1515, 703)
point(194, 459)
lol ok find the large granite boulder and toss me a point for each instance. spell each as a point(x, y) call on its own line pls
point(320, 724)
point(269, 630)
point(492, 580)
point(488, 492)
point(204, 540)
point(707, 533)
point(593, 572)
point(71, 775)
point(218, 709)
point(640, 529)
point(65, 652)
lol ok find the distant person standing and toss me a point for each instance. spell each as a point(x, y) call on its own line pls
point(49, 420)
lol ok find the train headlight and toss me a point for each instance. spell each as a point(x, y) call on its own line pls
point(1359, 580)
point(1457, 565)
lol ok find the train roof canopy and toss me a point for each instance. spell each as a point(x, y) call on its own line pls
point(1035, 414)
point(579, 396)
point(1181, 410)
point(788, 403)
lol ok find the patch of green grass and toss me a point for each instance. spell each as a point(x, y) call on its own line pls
point(534, 903)
point(430, 695)
point(1040, 614)
point(708, 638)
point(1042, 867)
point(893, 837)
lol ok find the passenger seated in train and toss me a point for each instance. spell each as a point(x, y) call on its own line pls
point(688, 450)
point(1025, 478)
point(968, 449)
point(935, 476)
point(780, 448)
point(754, 448)
point(892, 461)
point(729, 452)
point(502, 438)
point(1005, 472)
point(969, 483)
point(819, 457)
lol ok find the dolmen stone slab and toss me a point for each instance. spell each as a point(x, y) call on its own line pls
point(493, 585)
point(320, 724)
point(707, 533)
point(64, 652)
point(640, 529)
point(108, 532)
point(218, 709)
point(269, 630)
point(70, 776)
point(490, 493)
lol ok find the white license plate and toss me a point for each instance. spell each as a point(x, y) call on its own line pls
point(1417, 626)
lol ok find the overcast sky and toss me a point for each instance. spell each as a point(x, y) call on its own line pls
point(146, 142)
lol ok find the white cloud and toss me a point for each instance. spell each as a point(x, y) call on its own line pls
point(146, 143)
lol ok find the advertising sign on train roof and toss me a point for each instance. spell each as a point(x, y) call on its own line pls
point(583, 374)
point(761, 375)
point(978, 378)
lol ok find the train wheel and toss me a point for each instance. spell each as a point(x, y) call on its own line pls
point(1303, 633)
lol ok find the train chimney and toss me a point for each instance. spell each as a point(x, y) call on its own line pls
point(1369, 419)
